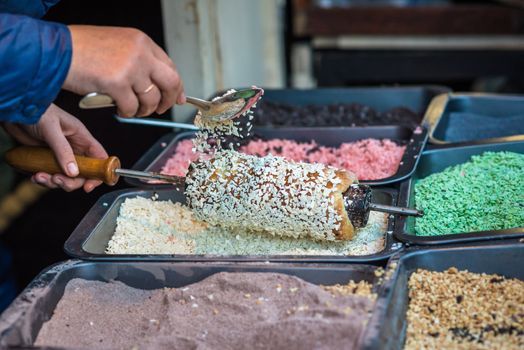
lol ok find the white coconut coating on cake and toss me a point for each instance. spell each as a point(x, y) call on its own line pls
point(267, 194)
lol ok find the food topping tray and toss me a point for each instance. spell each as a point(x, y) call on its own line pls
point(91, 237)
point(474, 118)
point(24, 319)
point(359, 106)
point(387, 328)
point(165, 148)
point(435, 161)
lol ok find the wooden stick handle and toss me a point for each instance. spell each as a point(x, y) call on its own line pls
point(35, 159)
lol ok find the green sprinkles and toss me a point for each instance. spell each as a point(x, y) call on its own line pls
point(486, 193)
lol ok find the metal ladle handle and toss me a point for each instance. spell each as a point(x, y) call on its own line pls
point(395, 210)
point(95, 100)
point(358, 204)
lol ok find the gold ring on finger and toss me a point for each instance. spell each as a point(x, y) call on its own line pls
point(149, 88)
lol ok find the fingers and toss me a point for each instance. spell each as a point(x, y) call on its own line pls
point(153, 86)
point(53, 135)
point(58, 181)
point(90, 185)
point(66, 136)
point(95, 150)
point(165, 88)
point(164, 74)
point(126, 100)
point(170, 85)
point(44, 179)
point(66, 183)
point(148, 98)
point(63, 133)
point(182, 97)
point(123, 62)
point(85, 144)
point(162, 56)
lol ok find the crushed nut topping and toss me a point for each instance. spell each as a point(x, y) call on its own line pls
point(463, 310)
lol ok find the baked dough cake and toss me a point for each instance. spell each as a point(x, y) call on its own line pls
point(270, 194)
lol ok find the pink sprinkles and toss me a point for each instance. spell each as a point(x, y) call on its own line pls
point(369, 159)
point(178, 163)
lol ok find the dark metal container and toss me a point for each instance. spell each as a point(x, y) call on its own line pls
point(437, 160)
point(90, 238)
point(387, 328)
point(21, 322)
point(473, 118)
point(162, 150)
point(415, 98)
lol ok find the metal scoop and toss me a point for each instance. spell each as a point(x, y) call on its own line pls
point(227, 107)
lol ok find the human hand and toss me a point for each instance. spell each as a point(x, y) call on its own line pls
point(66, 136)
point(125, 64)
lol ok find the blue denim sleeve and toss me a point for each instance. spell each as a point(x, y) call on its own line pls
point(32, 8)
point(34, 60)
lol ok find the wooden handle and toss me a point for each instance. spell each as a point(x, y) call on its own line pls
point(35, 159)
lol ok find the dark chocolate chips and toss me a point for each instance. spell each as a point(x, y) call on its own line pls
point(353, 114)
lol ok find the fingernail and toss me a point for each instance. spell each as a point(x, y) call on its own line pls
point(72, 168)
point(42, 179)
point(182, 98)
point(59, 181)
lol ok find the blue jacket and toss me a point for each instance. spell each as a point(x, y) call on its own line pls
point(35, 57)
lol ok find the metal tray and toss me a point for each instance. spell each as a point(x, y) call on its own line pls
point(384, 98)
point(21, 322)
point(494, 109)
point(387, 327)
point(90, 238)
point(164, 148)
point(435, 161)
